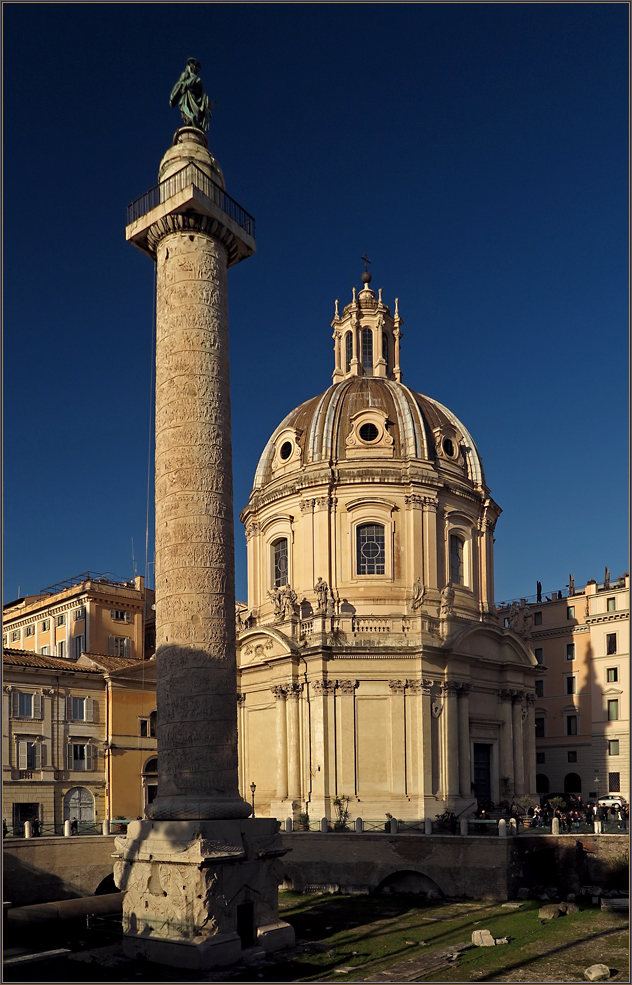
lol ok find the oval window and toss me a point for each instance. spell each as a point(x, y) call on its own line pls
point(369, 432)
point(286, 450)
point(448, 447)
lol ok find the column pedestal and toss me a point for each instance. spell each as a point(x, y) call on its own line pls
point(198, 892)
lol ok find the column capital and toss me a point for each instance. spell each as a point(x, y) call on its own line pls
point(414, 502)
point(530, 698)
point(505, 694)
point(347, 687)
point(517, 696)
point(252, 528)
point(420, 687)
point(241, 699)
point(279, 692)
point(324, 687)
point(294, 690)
point(464, 689)
point(397, 687)
point(450, 687)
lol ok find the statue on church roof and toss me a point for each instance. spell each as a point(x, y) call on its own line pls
point(188, 94)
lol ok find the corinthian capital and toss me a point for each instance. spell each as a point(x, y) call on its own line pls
point(324, 687)
point(294, 690)
point(279, 692)
point(397, 687)
point(347, 687)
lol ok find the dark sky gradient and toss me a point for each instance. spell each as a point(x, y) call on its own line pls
point(478, 152)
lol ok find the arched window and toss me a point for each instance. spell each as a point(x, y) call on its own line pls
point(572, 783)
point(541, 783)
point(367, 350)
point(456, 559)
point(385, 349)
point(348, 351)
point(370, 553)
point(279, 551)
point(150, 781)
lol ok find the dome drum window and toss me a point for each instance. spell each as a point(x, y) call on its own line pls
point(448, 445)
point(287, 451)
point(369, 435)
point(459, 548)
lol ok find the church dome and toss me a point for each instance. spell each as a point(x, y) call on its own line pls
point(362, 419)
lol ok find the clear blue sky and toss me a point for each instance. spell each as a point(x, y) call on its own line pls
point(478, 152)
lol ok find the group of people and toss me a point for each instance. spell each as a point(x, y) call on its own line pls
point(570, 818)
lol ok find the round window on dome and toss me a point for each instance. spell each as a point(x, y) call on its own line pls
point(448, 447)
point(286, 450)
point(369, 432)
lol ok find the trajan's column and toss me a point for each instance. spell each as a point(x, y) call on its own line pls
point(200, 875)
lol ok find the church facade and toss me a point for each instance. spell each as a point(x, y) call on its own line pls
point(373, 674)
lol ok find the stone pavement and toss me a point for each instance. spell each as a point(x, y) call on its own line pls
point(420, 966)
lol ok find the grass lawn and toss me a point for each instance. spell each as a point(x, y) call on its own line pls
point(368, 934)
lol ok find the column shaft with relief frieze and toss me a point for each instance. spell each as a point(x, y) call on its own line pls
point(280, 694)
point(465, 776)
point(450, 738)
point(518, 747)
point(294, 742)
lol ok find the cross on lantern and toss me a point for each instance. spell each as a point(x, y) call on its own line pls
point(366, 261)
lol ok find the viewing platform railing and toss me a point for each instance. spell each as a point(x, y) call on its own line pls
point(191, 174)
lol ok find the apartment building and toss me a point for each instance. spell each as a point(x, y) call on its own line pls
point(86, 613)
point(580, 638)
point(78, 739)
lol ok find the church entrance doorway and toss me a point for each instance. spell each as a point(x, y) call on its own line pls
point(482, 772)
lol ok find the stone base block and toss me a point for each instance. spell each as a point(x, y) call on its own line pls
point(197, 892)
point(276, 936)
point(198, 954)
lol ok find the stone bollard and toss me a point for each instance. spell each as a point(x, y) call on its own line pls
point(358, 826)
point(555, 826)
point(67, 829)
point(392, 826)
point(324, 825)
point(596, 826)
point(288, 825)
point(502, 828)
point(428, 826)
point(28, 830)
point(105, 827)
point(465, 827)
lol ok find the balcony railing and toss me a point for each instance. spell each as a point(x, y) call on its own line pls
point(191, 174)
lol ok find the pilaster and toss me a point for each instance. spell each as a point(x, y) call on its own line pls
point(398, 738)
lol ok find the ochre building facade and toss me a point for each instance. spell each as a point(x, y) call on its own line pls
point(371, 664)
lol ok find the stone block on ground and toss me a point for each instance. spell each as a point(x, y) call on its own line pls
point(553, 910)
point(597, 972)
point(512, 905)
point(482, 938)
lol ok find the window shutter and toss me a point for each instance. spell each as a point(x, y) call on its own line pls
point(42, 748)
point(70, 763)
point(37, 706)
point(15, 703)
point(69, 708)
point(89, 752)
point(127, 647)
point(88, 713)
point(38, 755)
point(21, 755)
point(61, 708)
point(111, 650)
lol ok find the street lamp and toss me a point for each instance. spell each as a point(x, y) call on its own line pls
point(253, 787)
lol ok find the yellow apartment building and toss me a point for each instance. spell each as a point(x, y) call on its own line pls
point(78, 739)
point(89, 613)
point(582, 712)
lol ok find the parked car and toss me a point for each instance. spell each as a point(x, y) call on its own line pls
point(612, 800)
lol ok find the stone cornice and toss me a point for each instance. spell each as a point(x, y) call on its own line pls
point(603, 617)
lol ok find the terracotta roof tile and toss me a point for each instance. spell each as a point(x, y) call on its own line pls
point(28, 658)
point(109, 663)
